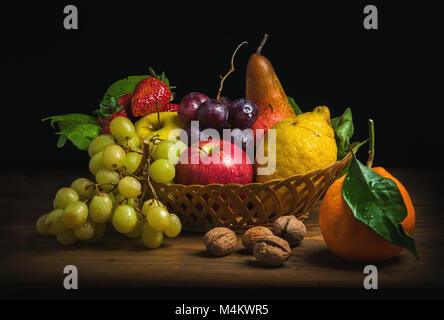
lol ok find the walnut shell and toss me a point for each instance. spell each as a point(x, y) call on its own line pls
point(220, 241)
point(253, 234)
point(290, 229)
point(271, 250)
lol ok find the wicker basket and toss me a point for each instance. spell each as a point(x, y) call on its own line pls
point(240, 207)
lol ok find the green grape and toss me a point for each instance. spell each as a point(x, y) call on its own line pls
point(169, 150)
point(132, 161)
point(151, 203)
point(84, 188)
point(65, 196)
point(75, 214)
point(150, 237)
point(67, 237)
point(130, 187)
point(99, 232)
point(55, 204)
point(95, 163)
point(101, 208)
point(122, 128)
point(133, 202)
point(108, 178)
point(54, 222)
point(119, 198)
point(124, 218)
point(99, 143)
point(158, 218)
point(113, 157)
point(41, 225)
point(137, 232)
point(132, 144)
point(174, 228)
point(113, 198)
point(86, 230)
point(162, 171)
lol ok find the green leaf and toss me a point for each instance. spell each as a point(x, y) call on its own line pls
point(78, 128)
point(343, 129)
point(294, 105)
point(121, 87)
point(377, 202)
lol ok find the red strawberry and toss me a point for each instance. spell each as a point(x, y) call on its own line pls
point(125, 101)
point(149, 93)
point(171, 107)
point(105, 114)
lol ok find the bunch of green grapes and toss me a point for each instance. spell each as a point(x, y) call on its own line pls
point(82, 211)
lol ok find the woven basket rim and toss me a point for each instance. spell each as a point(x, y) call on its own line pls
point(238, 185)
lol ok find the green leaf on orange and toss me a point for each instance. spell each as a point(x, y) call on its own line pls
point(377, 202)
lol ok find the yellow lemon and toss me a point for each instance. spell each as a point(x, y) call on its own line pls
point(163, 125)
point(303, 144)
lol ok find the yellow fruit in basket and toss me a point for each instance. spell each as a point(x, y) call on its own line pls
point(163, 126)
point(304, 144)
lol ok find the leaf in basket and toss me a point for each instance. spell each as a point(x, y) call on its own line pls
point(294, 105)
point(377, 202)
point(343, 129)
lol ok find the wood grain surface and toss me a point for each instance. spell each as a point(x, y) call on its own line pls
point(32, 265)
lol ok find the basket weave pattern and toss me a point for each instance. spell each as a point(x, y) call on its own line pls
point(240, 207)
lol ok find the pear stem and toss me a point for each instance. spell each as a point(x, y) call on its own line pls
point(261, 45)
point(371, 151)
point(231, 70)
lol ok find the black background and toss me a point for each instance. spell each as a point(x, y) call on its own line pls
point(321, 53)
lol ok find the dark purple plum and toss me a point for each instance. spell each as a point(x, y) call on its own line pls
point(226, 100)
point(189, 105)
point(242, 113)
point(213, 113)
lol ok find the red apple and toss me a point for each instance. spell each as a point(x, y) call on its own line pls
point(214, 161)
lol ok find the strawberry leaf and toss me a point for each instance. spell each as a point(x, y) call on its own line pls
point(377, 202)
point(80, 129)
point(121, 87)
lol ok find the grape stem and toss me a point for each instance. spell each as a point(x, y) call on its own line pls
point(229, 72)
point(97, 185)
point(147, 180)
point(145, 155)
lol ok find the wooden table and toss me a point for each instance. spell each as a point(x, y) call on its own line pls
point(31, 266)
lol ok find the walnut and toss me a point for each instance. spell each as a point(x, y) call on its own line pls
point(271, 250)
point(252, 235)
point(290, 229)
point(220, 241)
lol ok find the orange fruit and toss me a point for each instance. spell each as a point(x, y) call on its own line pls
point(351, 239)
